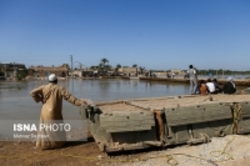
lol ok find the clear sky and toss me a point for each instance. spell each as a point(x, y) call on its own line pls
point(155, 34)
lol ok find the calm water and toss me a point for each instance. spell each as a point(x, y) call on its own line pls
point(15, 102)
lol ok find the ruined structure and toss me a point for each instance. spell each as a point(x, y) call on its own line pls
point(41, 71)
point(9, 69)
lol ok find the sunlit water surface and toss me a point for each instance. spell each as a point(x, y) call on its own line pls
point(16, 103)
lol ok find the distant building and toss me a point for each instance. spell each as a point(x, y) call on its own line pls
point(9, 69)
point(178, 71)
point(42, 71)
point(128, 70)
point(169, 73)
point(77, 73)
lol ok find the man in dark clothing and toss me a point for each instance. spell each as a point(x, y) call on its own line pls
point(229, 87)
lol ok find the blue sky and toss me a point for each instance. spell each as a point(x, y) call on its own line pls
point(155, 34)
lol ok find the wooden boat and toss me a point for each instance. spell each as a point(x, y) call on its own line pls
point(166, 121)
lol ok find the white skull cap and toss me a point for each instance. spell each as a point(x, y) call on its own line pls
point(52, 77)
point(230, 78)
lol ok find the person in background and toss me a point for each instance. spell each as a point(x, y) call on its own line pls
point(210, 87)
point(173, 75)
point(229, 87)
point(193, 80)
point(217, 86)
point(51, 96)
point(203, 87)
point(210, 75)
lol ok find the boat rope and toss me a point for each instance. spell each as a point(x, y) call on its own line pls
point(236, 115)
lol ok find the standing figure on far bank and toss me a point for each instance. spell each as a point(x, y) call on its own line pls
point(193, 80)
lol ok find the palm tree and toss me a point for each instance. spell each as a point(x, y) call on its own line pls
point(104, 61)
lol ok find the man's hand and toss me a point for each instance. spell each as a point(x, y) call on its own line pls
point(87, 102)
point(83, 102)
point(42, 100)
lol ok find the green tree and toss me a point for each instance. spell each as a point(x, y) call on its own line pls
point(108, 67)
point(134, 65)
point(141, 69)
point(118, 66)
point(100, 66)
point(21, 74)
point(94, 67)
point(65, 65)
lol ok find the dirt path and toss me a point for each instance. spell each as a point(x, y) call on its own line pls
point(26, 154)
point(234, 150)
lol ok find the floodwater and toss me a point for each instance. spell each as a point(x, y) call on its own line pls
point(16, 103)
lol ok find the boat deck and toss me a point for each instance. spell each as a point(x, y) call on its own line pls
point(169, 102)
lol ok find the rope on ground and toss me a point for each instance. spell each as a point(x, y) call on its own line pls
point(170, 160)
point(222, 152)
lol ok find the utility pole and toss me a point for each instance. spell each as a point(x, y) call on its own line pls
point(71, 60)
point(14, 71)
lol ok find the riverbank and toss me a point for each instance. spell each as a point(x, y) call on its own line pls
point(238, 82)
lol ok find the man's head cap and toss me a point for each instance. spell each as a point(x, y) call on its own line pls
point(230, 78)
point(52, 77)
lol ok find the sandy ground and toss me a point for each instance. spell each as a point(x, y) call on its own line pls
point(232, 150)
point(73, 154)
